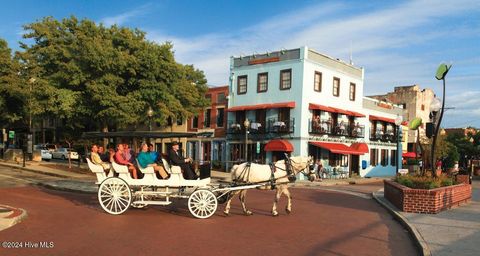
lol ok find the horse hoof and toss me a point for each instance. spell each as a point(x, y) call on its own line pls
point(274, 214)
point(226, 213)
point(248, 213)
point(288, 211)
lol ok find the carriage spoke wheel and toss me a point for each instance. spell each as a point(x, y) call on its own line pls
point(114, 195)
point(202, 203)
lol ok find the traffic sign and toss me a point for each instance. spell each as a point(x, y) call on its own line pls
point(11, 134)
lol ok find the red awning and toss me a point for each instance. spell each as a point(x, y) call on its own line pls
point(337, 148)
point(290, 104)
point(356, 114)
point(312, 106)
point(279, 145)
point(360, 147)
point(381, 118)
point(341, 111)
point(409, 155)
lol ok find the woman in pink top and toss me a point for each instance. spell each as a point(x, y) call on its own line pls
point(120, 159)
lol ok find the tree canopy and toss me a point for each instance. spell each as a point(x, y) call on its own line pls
point(95, 77)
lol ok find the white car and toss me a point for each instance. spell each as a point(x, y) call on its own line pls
point(63, 153)
point(44, 152)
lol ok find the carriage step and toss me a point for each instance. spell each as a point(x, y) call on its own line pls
point(152, 202)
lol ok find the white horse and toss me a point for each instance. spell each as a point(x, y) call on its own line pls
point(284, 171)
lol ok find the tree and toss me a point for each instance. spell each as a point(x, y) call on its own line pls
point(10, 101)
point(108, 77)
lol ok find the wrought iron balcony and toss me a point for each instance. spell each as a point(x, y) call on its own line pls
point(275, 125)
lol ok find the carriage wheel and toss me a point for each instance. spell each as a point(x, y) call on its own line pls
point(202, 203)
point(114, 195)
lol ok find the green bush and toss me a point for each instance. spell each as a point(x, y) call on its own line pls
point(424, 182)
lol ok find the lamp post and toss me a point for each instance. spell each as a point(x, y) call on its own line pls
point(246, 123)
point(398, 123)
point(150, 114)
point(440, 75)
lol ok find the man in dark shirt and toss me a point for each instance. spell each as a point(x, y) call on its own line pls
point(176, 158)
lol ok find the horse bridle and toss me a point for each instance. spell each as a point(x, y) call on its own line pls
point(292, 175)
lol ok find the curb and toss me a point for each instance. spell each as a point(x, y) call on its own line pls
point(37, 171)
point(64, 188)
point(14, 220)
point(422, 246)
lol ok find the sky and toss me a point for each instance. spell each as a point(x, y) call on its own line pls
point(397, 42)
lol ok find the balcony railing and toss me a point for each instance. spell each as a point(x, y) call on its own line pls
point(388, 136)
point(326, 127)
point(275, 125)
point(320, 127)
point(235, 128)
point(357, 131)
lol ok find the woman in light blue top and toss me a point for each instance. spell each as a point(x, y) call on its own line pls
point(145, 160)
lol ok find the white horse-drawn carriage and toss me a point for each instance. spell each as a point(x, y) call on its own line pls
point(118, 191)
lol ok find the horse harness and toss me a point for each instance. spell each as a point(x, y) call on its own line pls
point(245, 174)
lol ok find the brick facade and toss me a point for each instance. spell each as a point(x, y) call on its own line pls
point(426, 200)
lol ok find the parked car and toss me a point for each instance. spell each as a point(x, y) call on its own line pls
point(63, 153)
point(51, 147)
point(44, 152)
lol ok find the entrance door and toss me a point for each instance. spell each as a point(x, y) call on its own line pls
point(354, 165)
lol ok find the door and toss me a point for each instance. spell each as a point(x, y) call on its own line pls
point(354, 165)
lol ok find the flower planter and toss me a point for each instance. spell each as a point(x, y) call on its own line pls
point(426, 200)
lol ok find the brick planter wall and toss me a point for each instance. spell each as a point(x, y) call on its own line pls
point(426, 200)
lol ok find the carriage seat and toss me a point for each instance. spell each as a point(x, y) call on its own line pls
point(122, 170)
point(98, 170)
point(171, 169)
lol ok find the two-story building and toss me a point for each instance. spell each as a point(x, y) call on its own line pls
point(210, 126)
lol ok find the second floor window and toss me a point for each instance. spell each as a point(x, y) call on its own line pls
point(221, 98)
point(352, 91)
point(179, 120)
point(285, 79)
point(262, 82)
point(195, 122)
point(317, 82)
point(242, 85)
point(207, 115)
point(336, 86)
point(220, 117)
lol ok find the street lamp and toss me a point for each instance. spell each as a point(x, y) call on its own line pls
point(246, 123)
point(441, 73)
point(150, 114)
point(398, 123)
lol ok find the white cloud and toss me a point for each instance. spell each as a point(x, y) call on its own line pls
point(126, 16)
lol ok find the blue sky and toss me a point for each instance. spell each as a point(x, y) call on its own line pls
point(397, 42)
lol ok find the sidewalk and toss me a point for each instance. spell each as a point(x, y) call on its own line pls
point(451, 232)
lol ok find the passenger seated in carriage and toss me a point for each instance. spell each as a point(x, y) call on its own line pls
point(176, 158)
point(145, 159)
point(96, 159)
point(128, 153)
point(119, 158)
point(153, 154)
point(103, 155)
